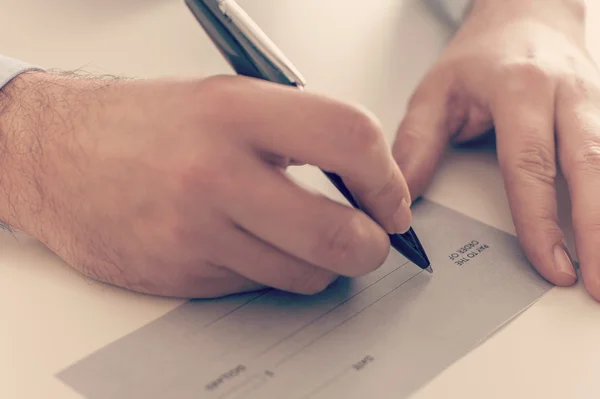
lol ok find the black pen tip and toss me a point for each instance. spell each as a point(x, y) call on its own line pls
point(421, 260)
point(409, 245)
point(429, 269)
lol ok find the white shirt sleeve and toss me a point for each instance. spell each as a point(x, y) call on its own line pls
point(10, 68)
point(454, 9)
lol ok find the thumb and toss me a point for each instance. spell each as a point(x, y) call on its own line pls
point(434, 114)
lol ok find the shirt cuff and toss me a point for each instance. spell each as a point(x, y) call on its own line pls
point(454, 9)
point(10, 68)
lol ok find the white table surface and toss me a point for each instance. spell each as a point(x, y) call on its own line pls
point(50, 316)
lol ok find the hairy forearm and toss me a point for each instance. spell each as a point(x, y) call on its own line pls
point(21, 104)
point(35, 127)
point(45, 124)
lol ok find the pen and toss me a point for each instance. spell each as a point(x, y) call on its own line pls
point(251, 53)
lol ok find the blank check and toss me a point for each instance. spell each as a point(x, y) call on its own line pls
point(396, 328)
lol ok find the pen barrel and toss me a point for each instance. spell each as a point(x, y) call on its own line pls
point(407, 244)
point(339, 184)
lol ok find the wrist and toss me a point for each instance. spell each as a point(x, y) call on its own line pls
point(23, 103)
point(15, 160)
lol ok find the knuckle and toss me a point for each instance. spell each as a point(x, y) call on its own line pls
point(581, 84)
point(362, 133)
point(214, 85)
point(539, 222)
point(527, 70)
point(390, 192)
point(535, 162)
point(587, 157)
point(411, 134)
point(209, 90)
point(385, 199)
point(311, 282)
point(525, 75)
point(586, 221)
point(337, 246)
point(209, 96)
point(578, 83)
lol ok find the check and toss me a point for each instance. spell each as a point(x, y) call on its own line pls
point(383, 335)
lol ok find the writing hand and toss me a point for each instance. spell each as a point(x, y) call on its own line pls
point(520, 67)
point(179, 189)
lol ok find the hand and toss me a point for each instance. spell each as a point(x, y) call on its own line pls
point(520, 67)
point(179, 188)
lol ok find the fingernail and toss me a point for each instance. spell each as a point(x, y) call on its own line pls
point(402, 218)
point(562, 262)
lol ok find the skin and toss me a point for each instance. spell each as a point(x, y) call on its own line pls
point(138, 184)
point(520, 68)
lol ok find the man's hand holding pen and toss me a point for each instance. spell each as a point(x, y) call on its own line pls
point(178, 189)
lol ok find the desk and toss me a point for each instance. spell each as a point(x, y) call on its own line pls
point(51, 316)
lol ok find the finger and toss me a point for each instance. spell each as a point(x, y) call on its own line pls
point(524, 120)
point(578, 119)
point(304, 224)
point(329, 134)
point(269, 266)
point(425, 131)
